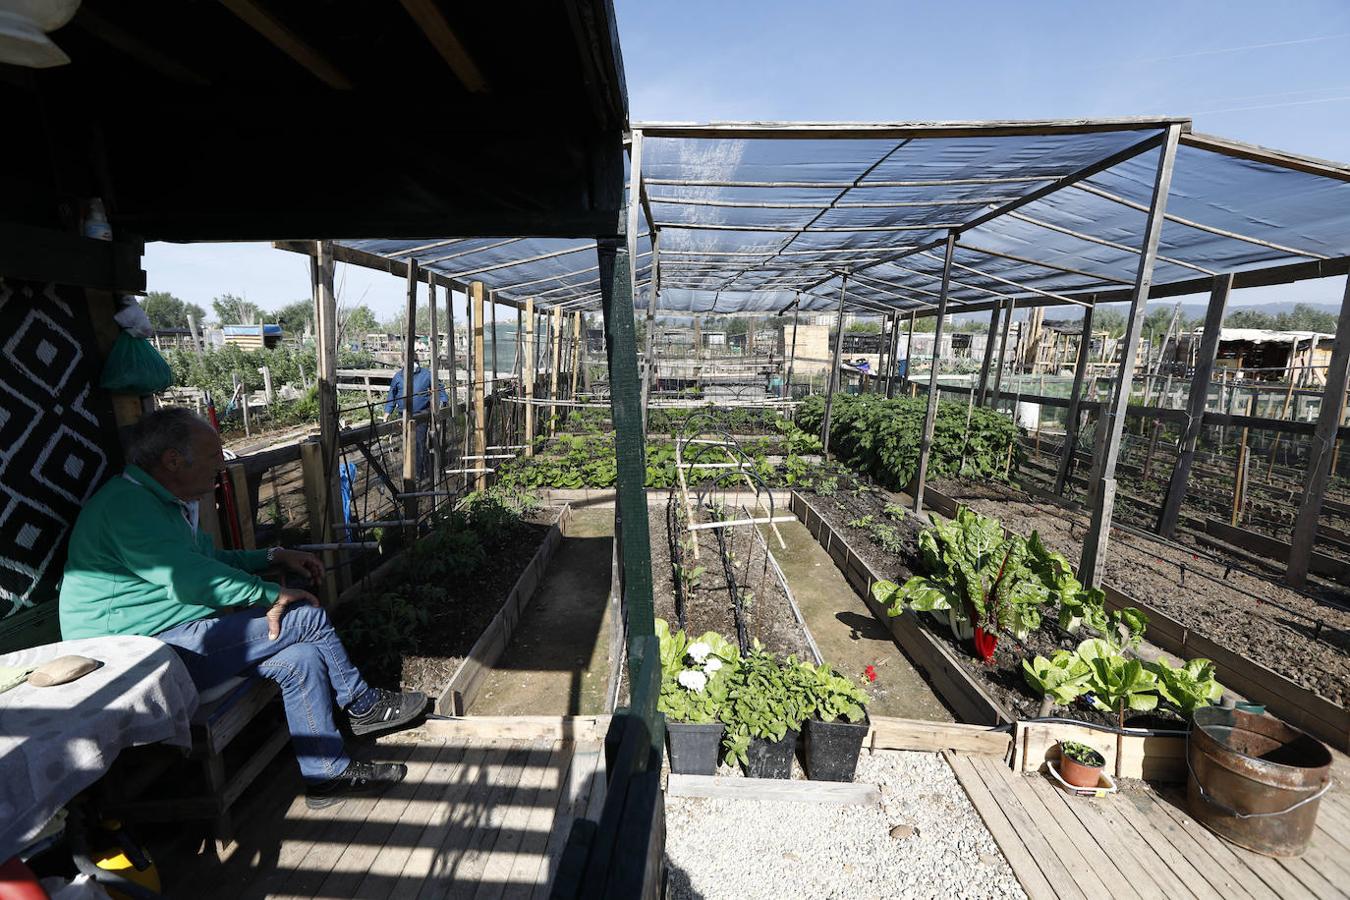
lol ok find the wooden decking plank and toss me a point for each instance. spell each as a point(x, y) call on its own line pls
point(1223, 884)
point(341, 823)
point(1259, 875)
point(546, 757)
point(466, 850)
point(1133, 859)
point(587, 768)
point(529, 869)
point(387, 867)
point(1311, 879)
point(996, 778)
point(451, 818)
point(1330, 861)
point(1019, 858)
point(1180, 865)
point(1080, 854)
point(264, 808)
point(353, 864)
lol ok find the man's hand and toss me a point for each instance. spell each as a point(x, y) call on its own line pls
point(285, 599)
point(301, 563)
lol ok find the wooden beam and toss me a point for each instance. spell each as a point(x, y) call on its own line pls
point(578, 354)
point(897, 130)
point(1321, 449)
point(428, 17)
point(1009, 309)
point(47, 255)
point(555, 348)
point(990, 340)
point(1103, 493)
point(476, 296)
point(261, 20)
point(409, 456)
point(930, 416)
point(1075, 403)
point(323, 465)
point(434, 428)
point(1195, 405)
point(528, 375)
point(1239, 150)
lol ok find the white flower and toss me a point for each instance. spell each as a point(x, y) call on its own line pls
point(712, 665)
point(694, 680)
point(699, 651)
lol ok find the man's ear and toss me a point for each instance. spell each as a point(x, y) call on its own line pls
point(171, 460)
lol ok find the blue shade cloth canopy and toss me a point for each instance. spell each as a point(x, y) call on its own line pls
point(754, 218)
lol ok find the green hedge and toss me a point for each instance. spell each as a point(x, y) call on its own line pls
point(880, 437)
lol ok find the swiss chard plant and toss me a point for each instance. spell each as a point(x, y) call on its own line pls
point(694, 674)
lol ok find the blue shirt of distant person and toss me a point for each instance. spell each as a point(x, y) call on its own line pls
point(421, 400)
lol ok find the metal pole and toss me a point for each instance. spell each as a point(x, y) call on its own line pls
point(792, 356)
point(895, 354)
point(989, 342)
point(528, 376)
point(1321, 453)
point(1009, 308)
point(648, 363)
point(833, 382)
point(1195, 404)
point(909, 349)
point(409, 427)
point(454, 372)
point(930, 417)
point(1075, 401)
point(434, 429)
point(1103, 493)
point(477, 294)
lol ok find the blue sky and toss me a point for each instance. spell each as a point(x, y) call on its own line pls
point(1259, 71)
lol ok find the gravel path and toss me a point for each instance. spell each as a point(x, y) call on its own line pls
point(745, 849)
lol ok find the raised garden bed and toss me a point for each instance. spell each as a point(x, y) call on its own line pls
point(1269, 647)
point(414, 622)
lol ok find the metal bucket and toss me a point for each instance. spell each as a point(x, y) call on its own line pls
point(1254, 780)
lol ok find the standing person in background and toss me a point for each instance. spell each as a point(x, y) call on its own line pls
point(421, 390)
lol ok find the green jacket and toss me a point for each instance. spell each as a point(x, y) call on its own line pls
point(134, 565)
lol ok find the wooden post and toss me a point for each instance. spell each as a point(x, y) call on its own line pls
point(434, 429)
point(1103, 493)
point(1009, 307)
point(453, 417)
point(528, 376)
point(930, 416)
point(1321, 449)
point(321, 473)
point(492, 307)
point(1284, 414)
point(989, 342)
point(909, 352)
point(196, 335)
point(576, 355)
point(833, 381)
point(895, 355)
point(242, 505)
point(470, 367)
point(1240, 481)
point(319, 509)
point(1071, 418)
point(476, 297)
point(555, 342)
point(410, 504)
point(241, 390)
point(1195, 403)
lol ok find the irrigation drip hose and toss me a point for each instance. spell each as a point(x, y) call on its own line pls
point(1109, 729)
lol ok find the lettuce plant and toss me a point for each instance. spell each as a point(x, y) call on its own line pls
point(1116, 682)
point(694, 674)
point(1188, 686)
point(1060, 680)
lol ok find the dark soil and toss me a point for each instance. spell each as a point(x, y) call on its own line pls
point(1296, 636)
point(1002, 678)
point(456, 625)
point(708, 604)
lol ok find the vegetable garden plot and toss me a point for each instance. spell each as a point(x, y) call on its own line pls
point(1292, 634)
point(412, 630)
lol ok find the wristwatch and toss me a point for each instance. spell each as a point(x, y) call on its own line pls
point(272, 554)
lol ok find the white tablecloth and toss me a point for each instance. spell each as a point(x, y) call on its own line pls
point(56, 741)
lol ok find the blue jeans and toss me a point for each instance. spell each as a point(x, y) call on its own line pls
point(307, 660)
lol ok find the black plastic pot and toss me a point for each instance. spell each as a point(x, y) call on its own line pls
point(832, 749)
point(694, 748)
point(771, 759)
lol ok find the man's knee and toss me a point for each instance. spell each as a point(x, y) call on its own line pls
point(311, 621)
point(297, 664)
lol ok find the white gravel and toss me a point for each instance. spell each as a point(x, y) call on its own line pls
point(749, 849)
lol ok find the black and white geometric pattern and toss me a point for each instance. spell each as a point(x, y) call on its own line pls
point(55, 431)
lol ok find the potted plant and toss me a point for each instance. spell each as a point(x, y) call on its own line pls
point(1080, 765)
point(764, 712)
point(694, 676)
point(834, 733)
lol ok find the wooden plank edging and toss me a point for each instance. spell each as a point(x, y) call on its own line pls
point(463, 686)
point(892, 733)
point(581, 729)
point(717, 787)
point(945, 674)
point(1149, 757)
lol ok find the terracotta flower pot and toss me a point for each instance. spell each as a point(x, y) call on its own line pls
point(1077, 774)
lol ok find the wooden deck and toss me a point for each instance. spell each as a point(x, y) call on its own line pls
point(1141, 844)
point(474, 818)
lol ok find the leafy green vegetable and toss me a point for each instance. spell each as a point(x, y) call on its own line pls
point(695, 674)
point(1117, 682)
point(764, 700)
point(832, 696)
point(1082, 754)
point(1188, 686)
point(1063, 677)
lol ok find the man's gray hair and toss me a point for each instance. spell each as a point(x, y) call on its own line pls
point(164, 429)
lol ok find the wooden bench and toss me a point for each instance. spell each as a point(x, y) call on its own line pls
point(215, 725)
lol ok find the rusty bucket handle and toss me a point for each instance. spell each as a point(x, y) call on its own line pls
point(1224, 807)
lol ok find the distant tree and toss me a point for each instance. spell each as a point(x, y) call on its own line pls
point(355, 323)
point(1306, 318)
point(1110, 321)
point(293, 317)
point(863, 328)
point(232, 310)
point(1249, 318)
point(167, 311)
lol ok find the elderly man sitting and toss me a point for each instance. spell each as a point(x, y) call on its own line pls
point(138, 564)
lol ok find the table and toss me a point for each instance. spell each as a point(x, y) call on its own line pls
point(57, 741)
